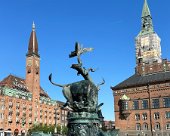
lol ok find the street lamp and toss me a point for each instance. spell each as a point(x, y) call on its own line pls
point(61, 129)
point(55, 129)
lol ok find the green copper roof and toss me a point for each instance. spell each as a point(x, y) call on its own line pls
point(147, 25)
point(16, 93)
point(47, 100)
point(146, 11)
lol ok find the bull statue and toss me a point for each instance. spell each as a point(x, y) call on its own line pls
point(82, 99)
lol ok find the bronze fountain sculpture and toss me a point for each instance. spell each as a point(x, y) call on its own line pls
point(82, 100)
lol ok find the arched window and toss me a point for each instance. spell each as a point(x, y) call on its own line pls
point(144, 116)
point(137, 117)
point(168, 126)
point(138, 126)
point(156, 115)
point(145, 126)
point(157, 126)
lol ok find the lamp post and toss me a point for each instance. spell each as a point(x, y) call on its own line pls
point(150, 113)
point(55, 129)
point(61, 129)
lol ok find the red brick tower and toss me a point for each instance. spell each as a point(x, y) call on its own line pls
point(33, 71)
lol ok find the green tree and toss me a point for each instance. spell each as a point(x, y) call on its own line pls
point(42, 128)
point(47, 129)
point(64, 130)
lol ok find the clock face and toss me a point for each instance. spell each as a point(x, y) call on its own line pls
point(29, 63)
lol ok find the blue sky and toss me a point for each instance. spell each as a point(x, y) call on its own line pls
point(109, 26)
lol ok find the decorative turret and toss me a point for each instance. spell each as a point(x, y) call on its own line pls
point(33, 44)
point(148, 49)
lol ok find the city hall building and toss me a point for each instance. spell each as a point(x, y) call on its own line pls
point(142, 101)
point(23, 102)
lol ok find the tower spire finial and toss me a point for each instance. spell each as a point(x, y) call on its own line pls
point(33, 26)
point(147, 26)
point(148, 49)
point(146, 11)
point(33, 43)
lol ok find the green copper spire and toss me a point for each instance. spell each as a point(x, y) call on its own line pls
point(147, 26)
point(146, 11)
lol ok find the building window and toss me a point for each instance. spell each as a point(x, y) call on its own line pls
point(156, 115)
point(1, 115)
point(35, 119)
point(9, 124)
point(137, 117)
point(167, 114)
point(138, 126)
point(145, 126)
point(166, 102)
point(157, 126)
point(135, 105)
point(155, 103)
point(144, 104)
point(144, 116)
point(2, 107)
point(124, 105)
point(168, 126)
point(2, 100)
point(23, 97)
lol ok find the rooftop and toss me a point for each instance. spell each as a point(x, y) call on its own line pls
point(141, 80)
point(16, 82)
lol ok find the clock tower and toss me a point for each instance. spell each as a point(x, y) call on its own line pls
point(142, 96)
point(148, 49)
point(32, 66)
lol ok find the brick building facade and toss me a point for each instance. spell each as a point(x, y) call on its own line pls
point(142, 102)
point(23, 102)
point(109, 125)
